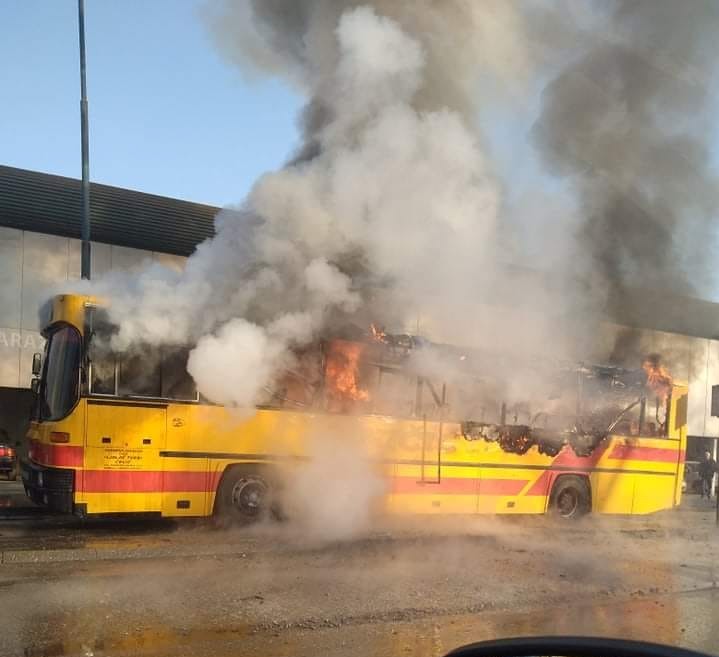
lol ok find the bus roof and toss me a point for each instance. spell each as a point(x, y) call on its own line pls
point(67, 308)
point(70, 308)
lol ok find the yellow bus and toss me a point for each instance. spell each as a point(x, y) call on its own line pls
point(120, 434)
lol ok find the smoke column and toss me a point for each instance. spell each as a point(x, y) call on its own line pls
point(390, 208)
point(626, 122)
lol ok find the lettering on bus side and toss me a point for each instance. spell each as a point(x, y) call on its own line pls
point(123, 458)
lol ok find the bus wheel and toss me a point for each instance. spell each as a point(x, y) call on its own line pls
point(243, 497)
point(570, 497)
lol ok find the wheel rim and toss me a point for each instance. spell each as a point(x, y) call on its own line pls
point(568, 502)
point(249, 496)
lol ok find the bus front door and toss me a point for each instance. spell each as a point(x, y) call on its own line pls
point(122, 470)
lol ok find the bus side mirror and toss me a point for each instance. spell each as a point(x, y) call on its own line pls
point(36, 364)
point(35, 385)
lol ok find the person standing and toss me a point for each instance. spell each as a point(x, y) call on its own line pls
point(707, 468)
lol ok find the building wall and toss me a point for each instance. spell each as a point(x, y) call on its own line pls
point(31, 266)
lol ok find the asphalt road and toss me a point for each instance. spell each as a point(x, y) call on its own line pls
point(411, 587)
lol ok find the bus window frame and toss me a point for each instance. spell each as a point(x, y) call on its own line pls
point(92, 392)
point(115, 369)
point(375, 389)
point(116, 395)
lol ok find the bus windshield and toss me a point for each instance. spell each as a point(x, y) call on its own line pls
point(59, 389)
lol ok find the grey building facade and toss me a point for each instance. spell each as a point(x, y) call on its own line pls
point(40, 249)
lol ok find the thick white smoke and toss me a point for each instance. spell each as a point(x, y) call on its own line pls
point(337, 493)
point(395, 197)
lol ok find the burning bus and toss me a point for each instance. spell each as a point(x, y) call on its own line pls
point(129, 433)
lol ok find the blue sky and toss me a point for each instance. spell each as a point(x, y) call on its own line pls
point(167, 114)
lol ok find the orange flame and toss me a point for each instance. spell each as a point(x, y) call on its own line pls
point(378, 333)
point(659, 381)
point(342, 371)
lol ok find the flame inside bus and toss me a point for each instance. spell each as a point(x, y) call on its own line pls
point(659, 381)
point(342, 371)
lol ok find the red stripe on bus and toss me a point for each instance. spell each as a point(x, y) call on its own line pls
point(67, 456)
point(636, 453)
point(454, 486)
point(458, 486)
point(501, 486)
point(567, 458)
point(541, 485)
point(185, 481)
point(138, 481)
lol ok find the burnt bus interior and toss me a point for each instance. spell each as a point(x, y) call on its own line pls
point(145, 371)
point(372, 372)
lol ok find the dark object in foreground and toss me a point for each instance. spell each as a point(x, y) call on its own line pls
point(570, 646)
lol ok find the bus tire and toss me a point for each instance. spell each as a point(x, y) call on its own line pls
point(570, 498)
point(244, 496)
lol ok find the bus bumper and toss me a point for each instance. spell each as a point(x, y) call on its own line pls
point(49, 487)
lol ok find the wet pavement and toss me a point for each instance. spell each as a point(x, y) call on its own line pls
point(13, 501)
point(419, 587)
point(682, 619)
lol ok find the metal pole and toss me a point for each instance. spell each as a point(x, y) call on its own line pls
point(712, 488)
point(85, 230)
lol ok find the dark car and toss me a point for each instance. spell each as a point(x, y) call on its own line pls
point(8, 462)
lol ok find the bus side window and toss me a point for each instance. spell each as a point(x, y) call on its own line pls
point(103, 374)
point(139, 373)
point(176, 380)
point(394, 393)
point(101, 359)
point(428, 399)
point(299, 386)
